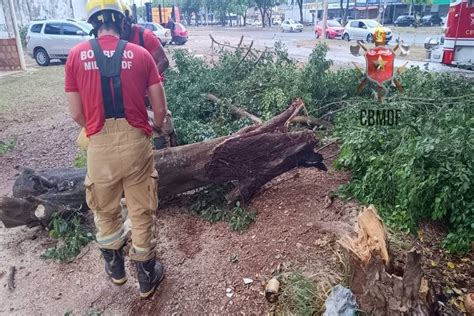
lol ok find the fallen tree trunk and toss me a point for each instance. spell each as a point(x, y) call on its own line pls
point(250, 158)
point(379, 290)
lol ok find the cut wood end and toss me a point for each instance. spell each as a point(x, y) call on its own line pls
point(372, 227)
point(40, 211)
point(371, 237)
point(424, 289)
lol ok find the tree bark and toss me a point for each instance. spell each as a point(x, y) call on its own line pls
point(344, 19)
point(379, 290)
point(249, 158)
point(269, 17)
point(300, 5)
point(263, 12)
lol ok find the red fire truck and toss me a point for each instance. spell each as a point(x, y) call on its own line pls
point(458, 46)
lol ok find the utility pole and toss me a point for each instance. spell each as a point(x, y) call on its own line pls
point(325, 18)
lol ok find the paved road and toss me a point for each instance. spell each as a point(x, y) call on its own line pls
point(300, 45)
point(407, 34)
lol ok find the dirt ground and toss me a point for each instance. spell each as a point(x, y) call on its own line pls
point(294, 231)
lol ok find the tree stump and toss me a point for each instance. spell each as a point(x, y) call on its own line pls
point(379, 291)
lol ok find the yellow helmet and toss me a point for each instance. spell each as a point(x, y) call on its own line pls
point(102, 11)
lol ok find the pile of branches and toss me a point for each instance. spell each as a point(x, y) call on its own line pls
point(418, 169)
point(261, 82)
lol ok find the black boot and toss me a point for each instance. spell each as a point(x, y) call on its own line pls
point(149, 273)
point(114, 265)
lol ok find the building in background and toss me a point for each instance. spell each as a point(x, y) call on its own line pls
point(384, 10)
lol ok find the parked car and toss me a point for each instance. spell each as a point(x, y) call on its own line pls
point(179, 36)
point(334, 29)
point(53, 39)
point(163, 34)
point(276, 22)
point(363, 30)
point(405, 20)
point(431, 20)
point(256, 23)
point(291, 26)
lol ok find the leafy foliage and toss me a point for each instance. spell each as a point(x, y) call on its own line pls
point(71, 235)
point(262, 85)
point(240, 218)
point(6, 146)
point(80, 161)
point(23, 30)
point(210, 203)
point(422, 168)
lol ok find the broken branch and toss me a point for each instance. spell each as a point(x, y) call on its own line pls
point(245, 56)
point(241, 113)
point(313, 121)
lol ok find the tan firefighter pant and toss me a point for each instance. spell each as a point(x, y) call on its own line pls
point(120, 161)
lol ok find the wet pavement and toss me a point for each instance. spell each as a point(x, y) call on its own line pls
point(300, 45)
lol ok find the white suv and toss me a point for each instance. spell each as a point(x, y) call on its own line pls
point(363, 30)
point(53, 39)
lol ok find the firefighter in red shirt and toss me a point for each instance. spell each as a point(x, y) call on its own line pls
point(139, 35)
point(106, 79)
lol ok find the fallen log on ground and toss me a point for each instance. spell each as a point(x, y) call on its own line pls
point(249, 158)
point(379, 290)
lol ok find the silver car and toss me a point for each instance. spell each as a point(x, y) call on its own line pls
point(363, 30)
point(163, 34)
point(53, 39)
point(291, 26)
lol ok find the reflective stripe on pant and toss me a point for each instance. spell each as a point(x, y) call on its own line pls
point(120, 161)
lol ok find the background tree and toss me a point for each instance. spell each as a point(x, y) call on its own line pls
point(264, 6)
point(300, 6)
point(220, 8)
point(344, 11)
point(416, 5)
point(190, 7)
point(166, 3)
point(240, 7)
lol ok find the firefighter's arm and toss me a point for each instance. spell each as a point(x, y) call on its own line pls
point(161, 60)
point(75, 108)
point(153, 45)
point(157, 97)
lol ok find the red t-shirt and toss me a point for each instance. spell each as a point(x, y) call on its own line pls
point(138, 73)
point(150, 41)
